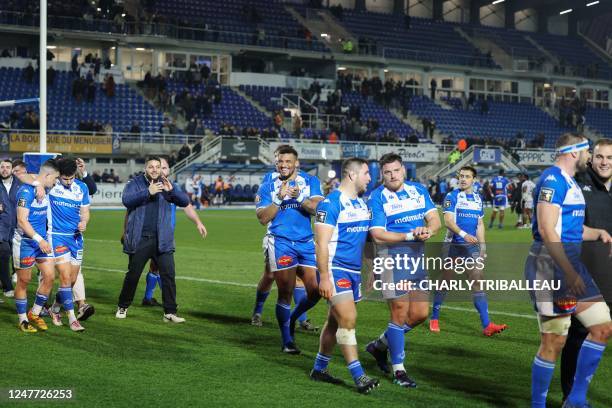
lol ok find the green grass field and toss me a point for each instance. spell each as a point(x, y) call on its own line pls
point(218, 359)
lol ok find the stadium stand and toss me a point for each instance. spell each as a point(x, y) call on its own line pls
point(267, 96)
point(600, 119)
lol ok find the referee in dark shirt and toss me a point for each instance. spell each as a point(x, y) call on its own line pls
point(595, 183)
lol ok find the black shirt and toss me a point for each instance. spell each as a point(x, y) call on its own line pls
point(149, 227)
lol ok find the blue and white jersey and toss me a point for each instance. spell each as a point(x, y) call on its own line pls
point(66, 204)
point(561, 190)
point(499, 186)
point(467, 209)
point(291, 222)
point(350, 220)
point(402, 210)
point(26, 198)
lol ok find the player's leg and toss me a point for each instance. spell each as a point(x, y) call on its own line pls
point(481, 304)
point(502, 213)
point(24, 275)
point(45, 284)
point(299, 293)
point(165, 263)
point(595, 316)
point(136, 264)
point(152, 280)
point(285, 283)
point(5, 268)
point(553, 334)
point(327, 342)
point(448, 250)
point(65, 294)
point(493, 213)
point(308, 277)
point(84, 309)
point(263, 287)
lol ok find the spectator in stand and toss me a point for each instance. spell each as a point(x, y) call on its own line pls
point(333, 138)
point(433, 85)
point(108, 130)
point(91, 90)
point(184, 152)
point(297, 126)
point(113, 177)
point(96, 176)
point(136, 128)
point(219, 191)
point(278, 121)
point(28, 73)
point(105, 176)
point(484, 106)
point(51, 74)
point(109, 86)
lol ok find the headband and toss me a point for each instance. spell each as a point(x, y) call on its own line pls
point(573, 148)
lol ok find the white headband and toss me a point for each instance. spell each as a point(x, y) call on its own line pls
point(574, 148)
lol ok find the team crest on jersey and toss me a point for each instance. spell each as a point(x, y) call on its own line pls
point(546, 195)
point(343, 283)
point(321, 216)
point(21, 202)
point(447, 204)
point(285, 260)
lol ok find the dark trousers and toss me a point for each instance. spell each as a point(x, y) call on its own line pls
point(5, 266)
point(569, 356)
point(146, 250)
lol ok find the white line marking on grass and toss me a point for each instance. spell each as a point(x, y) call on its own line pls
point(250, 285)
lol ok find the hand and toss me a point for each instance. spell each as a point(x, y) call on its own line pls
point(81, 167)
point(45, 247)
point(202, 230)
point(325, 288)
point(470, 239)
point(82, 226)
point(167, 184)
point(604, 237)
point(294, 192)
point(421, 233)
point(283, 191)
point(483, 254)
point(575, 284)
point(155, 188)
point(40, 193)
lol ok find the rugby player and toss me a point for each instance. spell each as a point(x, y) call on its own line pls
point(31, 245)
point(558, 232)
point(341, 228)
point(287, 202)
point(499, 192)
point(153, 278)
point(402, 211)
point(465, 238)
point(69, 203)
point(527, 197)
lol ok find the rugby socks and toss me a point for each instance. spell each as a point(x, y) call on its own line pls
point(55, 308)
point(151, 284)
point(438, 299)
point(588, 360)
point(321, 362)
point(283, 313)
point(65, 294)
point(541, 375)
point(481, 304)
point(301, 308)
point(39, 302)
point(356, 370)
point(159, 280)
point(299, 294)
point(260, 299)
point(22, 309)
point(395, 339)
point(382, 343)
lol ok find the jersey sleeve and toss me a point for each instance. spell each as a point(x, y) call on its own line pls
point(85, 202)
point(553, 190)
point(263, 197)
point(379, 218)
point(450, 202)
point(327, 212)
point(25, 197)
point(315, 187)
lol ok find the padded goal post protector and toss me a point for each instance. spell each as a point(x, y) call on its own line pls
point(33, 160)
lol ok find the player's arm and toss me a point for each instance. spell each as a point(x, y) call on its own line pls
point(84, 218)
point(268, 202)
point(548, 215)
point(378, 225)
point(432, 225)
point(31, 180)
point(310, 204)
point(323, 233)
point(22, 221)
point(191, 213)
point(451, 225)
point(480, 236)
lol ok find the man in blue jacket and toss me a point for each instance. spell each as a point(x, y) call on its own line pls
point(149, 234)
point(8, 220)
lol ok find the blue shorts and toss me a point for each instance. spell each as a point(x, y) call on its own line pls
point(461, 250)
point(67, 248)
point(500, 202)
point(345, 281)
point(283, 254)
point(26, 252)
point(398, 280)
point(559, 300)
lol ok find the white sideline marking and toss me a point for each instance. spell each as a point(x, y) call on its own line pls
point(249, 285)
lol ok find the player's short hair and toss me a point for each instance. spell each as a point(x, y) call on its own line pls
point(67, 167)
point(279, 147)
point(501, 172)
point(49, 166)
point(352, 164)
point(526, 176)
point(6, 161)
point(18, 162)
point(286, 149)
point(390, 158)
point(152, 158)
point(567, 139)
point(469, 168)
point(603, 142)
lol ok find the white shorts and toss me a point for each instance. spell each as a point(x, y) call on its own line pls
point(528, 204)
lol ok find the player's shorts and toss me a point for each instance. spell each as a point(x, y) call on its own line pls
point(345, 282)
point(68, 248)
point(558, 301)
point(283, 254)
point(500, 202)
point(26, 252)
point(264, 245)
point(528, 204)
point(460, 250)
point(404, 277)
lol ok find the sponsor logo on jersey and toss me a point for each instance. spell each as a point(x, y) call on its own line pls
point(343, 283)
point(546, 195)
point(61, 249)
point(285, 260)
point(566, 304)
point(28, 261)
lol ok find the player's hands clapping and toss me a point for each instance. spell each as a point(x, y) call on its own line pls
point(421, 233)
point(45, 247)
point(325, 289)
point(284, 190)
point(156, 187)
